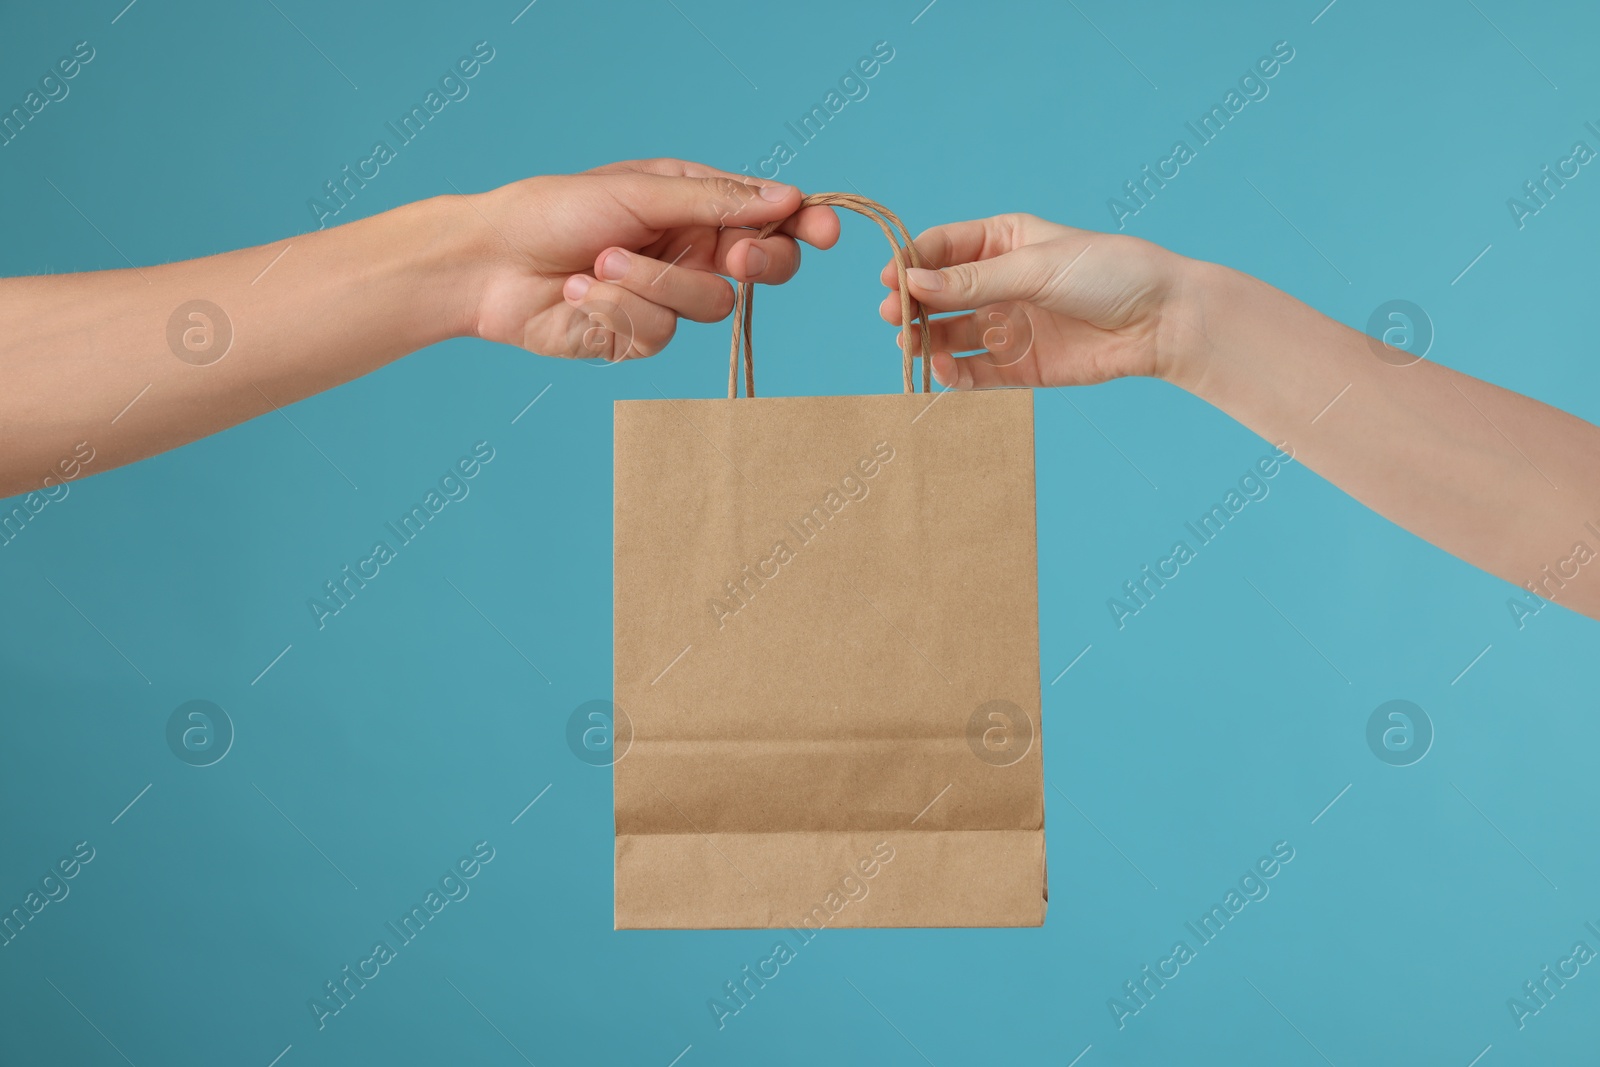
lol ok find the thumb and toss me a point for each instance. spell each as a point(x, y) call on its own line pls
point(666, 201)
point(1016, 275)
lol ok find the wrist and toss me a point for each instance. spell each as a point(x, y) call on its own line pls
point(1194, 317)
point(1253, 351)
point(449, 250)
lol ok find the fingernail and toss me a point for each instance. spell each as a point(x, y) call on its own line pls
point(576, 286)
point(775, 193)
point(614, 267)
point(929, 281)
point(755, 261)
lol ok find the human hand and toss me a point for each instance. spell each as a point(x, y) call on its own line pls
point(603, 263)
point(1098, 306)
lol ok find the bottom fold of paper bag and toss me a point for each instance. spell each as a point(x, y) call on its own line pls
point(812, 881)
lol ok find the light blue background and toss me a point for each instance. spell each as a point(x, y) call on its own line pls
point(408, 729)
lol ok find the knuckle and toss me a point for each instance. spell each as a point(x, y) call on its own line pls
point(961, 278)
point(1041, 273)
point(726, 194)
point(932, 244)
point(653, 342)
point(1012, 228)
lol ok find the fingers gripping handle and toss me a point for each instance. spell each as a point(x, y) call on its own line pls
point(905, 255)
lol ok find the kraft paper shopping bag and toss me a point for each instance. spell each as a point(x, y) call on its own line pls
point(826, 652)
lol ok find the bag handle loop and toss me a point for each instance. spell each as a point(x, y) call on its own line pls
point(905, 254)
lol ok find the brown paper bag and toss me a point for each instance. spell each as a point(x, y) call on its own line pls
point(826, 641)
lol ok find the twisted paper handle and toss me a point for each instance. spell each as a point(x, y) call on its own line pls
point(905, 254)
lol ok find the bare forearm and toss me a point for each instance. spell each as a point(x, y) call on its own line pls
point(1498, 479)
point(304, 314)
